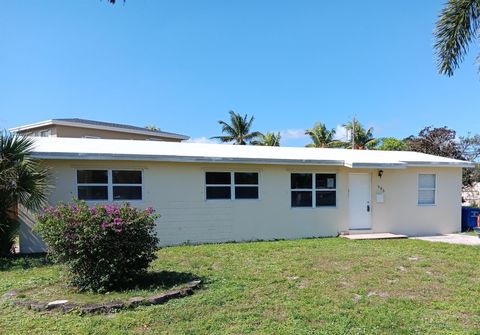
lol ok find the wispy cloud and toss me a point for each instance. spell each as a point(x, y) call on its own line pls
point(203, 139)
point(341, 133)
point(293, 134)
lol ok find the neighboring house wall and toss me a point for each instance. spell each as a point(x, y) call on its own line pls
point(37, 132)
point(177, 192)
point(79, 132)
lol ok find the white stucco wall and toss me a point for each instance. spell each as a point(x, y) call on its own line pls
point(177, 192)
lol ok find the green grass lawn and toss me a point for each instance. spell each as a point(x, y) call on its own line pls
point(313, 286)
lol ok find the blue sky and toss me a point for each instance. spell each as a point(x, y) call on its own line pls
point(182, 65)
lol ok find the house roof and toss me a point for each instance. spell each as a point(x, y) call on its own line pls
point(103, 149)
point(83, 123)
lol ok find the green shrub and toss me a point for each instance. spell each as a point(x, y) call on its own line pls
point(104, 247)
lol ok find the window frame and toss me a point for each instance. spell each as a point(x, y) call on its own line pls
point(314, 189)
point(110, 185)
point(218, 185)
point(232, 185)
point(324, 189)
point(434, 189)
point(48, 133)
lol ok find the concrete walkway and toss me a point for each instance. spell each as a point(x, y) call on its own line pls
point(373, 236)
point(451, 238)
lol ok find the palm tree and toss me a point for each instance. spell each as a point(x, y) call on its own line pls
point(363, 138)
point(238, 130)
point(457, 27)
point(22, 181)
point(321, 136)
point(269, 139)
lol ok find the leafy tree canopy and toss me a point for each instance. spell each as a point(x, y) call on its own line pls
point(363, 138)
point(269, 139)
point(321, 136)
point(392, 144)
point(435, 141)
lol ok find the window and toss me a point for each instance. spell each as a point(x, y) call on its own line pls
point(45, 133)
point(225, 185)
point(218, 185)
point(246, 185)
point(427, 184)
point(92, 184)
point(127, 185)
point(325, 190)
point(308, 189)
point(301, 184)
point(109, 185)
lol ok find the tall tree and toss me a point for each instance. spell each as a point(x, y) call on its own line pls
point(238, 130)
point(22, 181)
point(435, 141)
point(269, 139)
point(469, 147)
point(457, 28)
point(321, 136)
point(391, 144)
point(363, 138)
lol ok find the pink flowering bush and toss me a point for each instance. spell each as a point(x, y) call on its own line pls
point(104, 247)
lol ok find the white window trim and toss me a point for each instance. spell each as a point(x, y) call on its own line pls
point(232, 185)
point(313, 190)
point(110, 185)
point(427, 189)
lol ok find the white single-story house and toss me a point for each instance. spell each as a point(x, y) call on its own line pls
point(217, 193)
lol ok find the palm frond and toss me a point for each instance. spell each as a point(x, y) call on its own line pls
point(456, 28)
point(320, 135)
point(254, 134)
point(223, 139)
point(23, 180)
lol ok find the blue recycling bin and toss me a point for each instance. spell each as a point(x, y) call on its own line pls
point(469, 217)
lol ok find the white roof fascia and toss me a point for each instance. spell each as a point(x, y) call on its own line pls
point(196, 159)
point(184, 159)
point(103, 149)
point(92, 126)
point(361, 165)
point(464, 164)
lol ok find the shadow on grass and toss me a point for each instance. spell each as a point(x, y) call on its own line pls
point(23, 262)
point(161, 280)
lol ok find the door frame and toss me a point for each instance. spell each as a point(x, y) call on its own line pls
point(352, 215)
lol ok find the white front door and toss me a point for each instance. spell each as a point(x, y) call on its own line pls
point(359, 201)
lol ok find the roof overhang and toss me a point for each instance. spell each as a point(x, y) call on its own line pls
point(51, 148)
point(463, 164)
point(367, 165)
point(181, 159)
point(239, 160)
point(145, 132)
